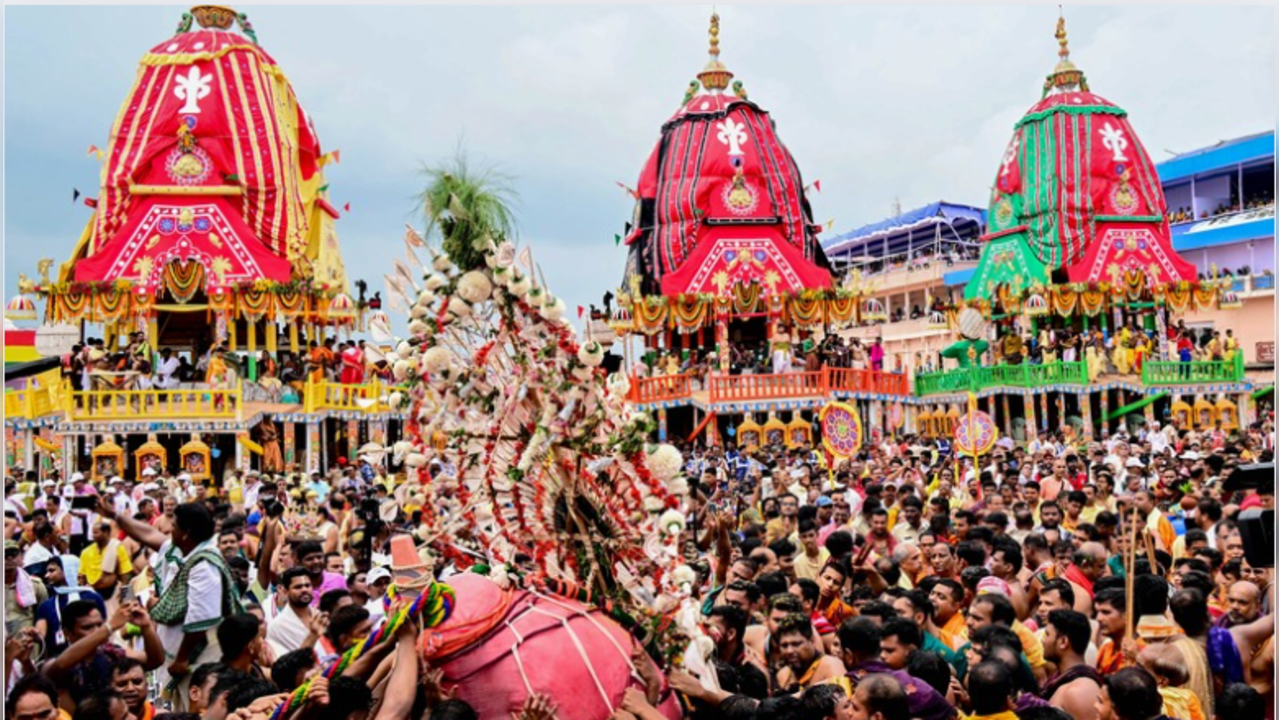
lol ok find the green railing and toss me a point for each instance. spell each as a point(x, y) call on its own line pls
point(942, 382)
point(980, 378)
point(1181, 373)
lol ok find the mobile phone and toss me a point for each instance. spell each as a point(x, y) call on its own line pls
point(863, 553)
point(126, 594)
point(84, 502)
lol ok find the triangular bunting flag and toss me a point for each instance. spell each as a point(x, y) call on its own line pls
point(412, 238)
point(580, 310)
point(323, 187)
point(347, 207)
point(75, 194)
point(628, 228)
point(337, 156)
point(526, 257)
point(817, 185)
point(830, 224)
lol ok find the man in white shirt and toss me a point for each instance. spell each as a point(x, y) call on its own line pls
point(252, 488)
point(120, 499)
point(289, 630)
point(165, 377)
point(1158, 441)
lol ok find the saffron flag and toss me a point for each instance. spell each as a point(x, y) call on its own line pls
point(412, 238)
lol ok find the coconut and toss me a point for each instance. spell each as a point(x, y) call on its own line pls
point(672, 522)
point(520, 284)
point(442, 263)
point(395, 400)
point(459, 308)
point(554, 309)
point(415, 460)
point(474, 287)
point(400, 369)
point(591, 354)
point(664, 462)
point(417, 327)
point(435, 282)
point(436, 359)
point(420, 312)
point(404, 348)
point(537, 297)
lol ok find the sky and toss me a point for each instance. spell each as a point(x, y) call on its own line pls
point(883, 105)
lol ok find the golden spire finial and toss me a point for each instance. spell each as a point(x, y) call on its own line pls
point(714, 34)
point(715, 77)
point(1064, 51)
point(1065, 76)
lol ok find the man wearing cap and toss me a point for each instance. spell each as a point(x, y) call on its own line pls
point(377, 582)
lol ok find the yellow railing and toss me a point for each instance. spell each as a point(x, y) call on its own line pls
point(33, 402)
point(120, 404)
point(368, 397)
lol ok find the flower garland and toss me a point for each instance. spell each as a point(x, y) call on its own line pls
point(1179, 299)
point(840, 309)
point(807, 312)
point(1205, 297)
point(183, 280)
point(255, 303)
point(650, 318)
point(689, 312)
point(1065, 300)
point(1093, 302)
point(112, 305)
point(746, 298)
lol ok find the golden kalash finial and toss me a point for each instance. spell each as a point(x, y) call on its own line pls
point(1065, 75)
point(715, 77)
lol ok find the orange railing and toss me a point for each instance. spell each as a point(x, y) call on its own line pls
point(658, 389)
point(868, 381)
point(727, 388)
point(734, 388)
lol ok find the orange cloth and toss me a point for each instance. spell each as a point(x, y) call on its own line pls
point(1110, 659)
point(955, 632)
point(1180, 702)
point(838, 611)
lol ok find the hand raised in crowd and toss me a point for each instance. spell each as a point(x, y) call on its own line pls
point(432, 682)
point(537, 707)
point(318, 695)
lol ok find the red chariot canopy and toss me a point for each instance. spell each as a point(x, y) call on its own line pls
point(162, 230)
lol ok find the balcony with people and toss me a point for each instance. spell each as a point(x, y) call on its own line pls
point(833, 367)
point(215, 383)
point(1072, 356)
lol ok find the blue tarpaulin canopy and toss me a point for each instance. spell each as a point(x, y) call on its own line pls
point(947, 222)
